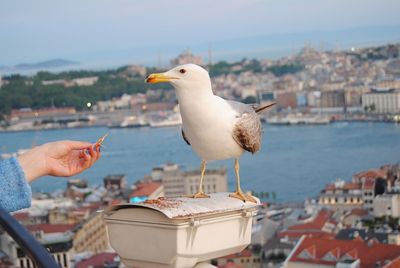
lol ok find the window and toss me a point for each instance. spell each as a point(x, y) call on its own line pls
point(305, 254)
point(329, 257)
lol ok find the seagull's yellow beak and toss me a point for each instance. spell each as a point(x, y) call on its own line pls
point(159, 78)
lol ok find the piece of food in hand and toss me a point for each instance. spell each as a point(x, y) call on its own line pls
point(100, 141)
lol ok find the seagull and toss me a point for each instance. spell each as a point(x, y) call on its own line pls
point(215, 128)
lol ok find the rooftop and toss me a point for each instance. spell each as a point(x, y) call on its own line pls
point(314, 228)
point(145, 189)
point(327, 251)
point(344, 186)
point(370, 174)
point(98, 260)
point(50, 228)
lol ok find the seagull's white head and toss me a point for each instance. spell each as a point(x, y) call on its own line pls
point(187, 77)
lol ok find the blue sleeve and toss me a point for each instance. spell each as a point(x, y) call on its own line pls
point(15, 192)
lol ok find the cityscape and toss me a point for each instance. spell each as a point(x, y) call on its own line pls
point(350, 223)
point(311, 87)
point(112, 157)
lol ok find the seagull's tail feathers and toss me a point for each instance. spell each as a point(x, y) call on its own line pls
point(263, 108)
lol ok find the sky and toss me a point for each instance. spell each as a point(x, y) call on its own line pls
point(88, 30)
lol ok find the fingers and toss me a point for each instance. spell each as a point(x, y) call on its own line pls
point(90, 155)
point(77, 145)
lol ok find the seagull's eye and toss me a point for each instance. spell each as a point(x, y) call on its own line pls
point(182, 71)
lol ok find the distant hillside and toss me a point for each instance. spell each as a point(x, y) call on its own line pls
point(54, 63)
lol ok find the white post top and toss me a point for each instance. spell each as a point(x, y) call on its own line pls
point(187, 207)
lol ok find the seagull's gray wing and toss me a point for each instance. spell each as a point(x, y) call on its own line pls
point(247, 130)
point(184, 137)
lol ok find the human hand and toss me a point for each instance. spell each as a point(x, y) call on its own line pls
point(61, 159)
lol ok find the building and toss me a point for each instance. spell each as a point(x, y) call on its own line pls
point(91, 235)
point(85, 81)
point(77, 189)
point(215, 181)
point(146, 190)
point(341, 196)
point(334, 98)
point(388, 84)
point(54, 82)
point(43, 113)
point(115, 182)
point(265, 96)
point(327, 252)
point(136, 70)
point(373, 182)
point(57, 238)
point(105, 259)
point(382, 101)
point(354, 217)
point(276, 250)
point(322, 225)
point(387, 204)
point(186, 57)
point(373, 174)
point(287, 100)
point(177, 182)
point(352, 98)
point(361, 234)
point(245, 259)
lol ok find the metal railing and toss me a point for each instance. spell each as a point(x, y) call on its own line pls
point(38, 254)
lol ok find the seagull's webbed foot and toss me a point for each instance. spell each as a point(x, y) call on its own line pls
point(242, 196)
point(200, 195)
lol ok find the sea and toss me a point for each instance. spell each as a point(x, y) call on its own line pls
point(295, 162)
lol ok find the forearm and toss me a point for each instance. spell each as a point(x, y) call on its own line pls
point(33, 163)
point(15, 192)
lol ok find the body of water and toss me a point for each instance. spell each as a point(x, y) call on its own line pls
point(295, 161)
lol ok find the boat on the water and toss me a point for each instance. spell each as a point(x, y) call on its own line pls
point(169, 120)
point(298, 119)
point(131, 122)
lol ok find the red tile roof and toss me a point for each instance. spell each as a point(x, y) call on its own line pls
point(393, 264)
point(330, 187)
point(115, 202)
point(369, 184)
point(145, 189)
point(298, 234)
point(351, 186)
point(50, 228)
point(358, 212)
point(368, 253)
point(346, 186)
point(370, 174)
point(319, 221)
point(97, 260)
point(21, 216)
point(313, 227)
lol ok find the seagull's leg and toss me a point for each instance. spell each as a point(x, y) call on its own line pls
point(239, 193)
point(200, 193)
